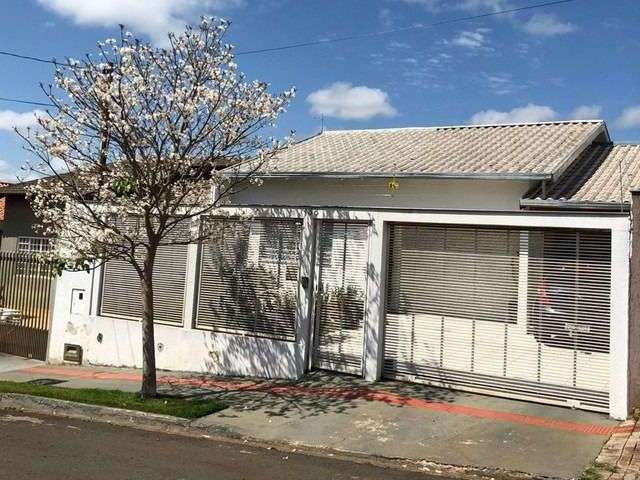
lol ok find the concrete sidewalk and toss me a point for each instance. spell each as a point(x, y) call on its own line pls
point(389, 419)
point(11, 362)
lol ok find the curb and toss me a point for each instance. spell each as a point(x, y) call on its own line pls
point(191, 428)
point(96, 413)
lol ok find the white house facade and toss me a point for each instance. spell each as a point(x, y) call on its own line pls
point(492, 259)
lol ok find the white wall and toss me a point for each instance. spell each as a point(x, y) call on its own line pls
point(374, 192)
point(182, 349)
point(117, 342)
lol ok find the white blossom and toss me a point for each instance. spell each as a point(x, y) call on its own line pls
point(147, 133)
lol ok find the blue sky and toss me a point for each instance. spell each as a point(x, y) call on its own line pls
point(577, 60)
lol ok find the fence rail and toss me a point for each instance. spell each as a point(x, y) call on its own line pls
point(25, 300)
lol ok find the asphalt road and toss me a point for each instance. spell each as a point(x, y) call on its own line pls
point(52, 448)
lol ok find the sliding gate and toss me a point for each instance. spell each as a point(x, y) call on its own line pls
point(511, 312)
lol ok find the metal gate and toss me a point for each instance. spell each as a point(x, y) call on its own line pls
point(25, 297)
point(512, 312)
point(340, 298)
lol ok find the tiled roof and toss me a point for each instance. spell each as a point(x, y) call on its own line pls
point(15, 188)
point(604, 174)
point(531, 150)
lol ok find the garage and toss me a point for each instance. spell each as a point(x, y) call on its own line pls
point(522, 313)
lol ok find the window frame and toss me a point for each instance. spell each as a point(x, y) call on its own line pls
point(41, 241)
point(44, 245)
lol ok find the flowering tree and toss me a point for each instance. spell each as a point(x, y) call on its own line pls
point(142, 144)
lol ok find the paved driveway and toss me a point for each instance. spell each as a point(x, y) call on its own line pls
point(397, 420)
point(390, 419)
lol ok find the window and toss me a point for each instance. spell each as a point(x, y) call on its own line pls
point(568, 296)
point(249, 277)
point(122, 293)
point(450, 271)
point(26, 263)
point(33, 244)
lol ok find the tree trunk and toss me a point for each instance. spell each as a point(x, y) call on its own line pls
point(149, 384)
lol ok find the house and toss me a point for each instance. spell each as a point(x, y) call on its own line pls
point(493, 259)
point(18, 220)
point(26, 285)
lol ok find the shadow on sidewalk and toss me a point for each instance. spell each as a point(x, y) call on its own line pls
point(315, 394)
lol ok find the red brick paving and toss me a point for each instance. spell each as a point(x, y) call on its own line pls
point(620, 456)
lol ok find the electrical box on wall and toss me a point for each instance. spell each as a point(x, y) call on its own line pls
point(78, 298)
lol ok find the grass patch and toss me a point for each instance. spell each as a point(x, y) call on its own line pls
point(593, 471)
point(165, 405)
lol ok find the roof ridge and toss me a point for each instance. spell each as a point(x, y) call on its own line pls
point(452, 127)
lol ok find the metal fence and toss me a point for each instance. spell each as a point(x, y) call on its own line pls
point(25, 299)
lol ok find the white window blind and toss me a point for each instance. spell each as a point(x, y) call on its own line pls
point(249, 277)
point(122, 293)
point(461, 272)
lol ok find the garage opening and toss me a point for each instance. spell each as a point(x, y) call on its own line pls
point(522, 313)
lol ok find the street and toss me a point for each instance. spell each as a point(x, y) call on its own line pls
point(37, 446)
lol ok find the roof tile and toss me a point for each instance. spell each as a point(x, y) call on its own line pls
point(523, 149)
point(603, 173)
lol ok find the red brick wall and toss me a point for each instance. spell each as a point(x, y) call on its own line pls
point(3, 202)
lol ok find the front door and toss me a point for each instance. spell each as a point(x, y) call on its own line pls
point(340, 296)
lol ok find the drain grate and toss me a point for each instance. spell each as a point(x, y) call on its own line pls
point(45, 381)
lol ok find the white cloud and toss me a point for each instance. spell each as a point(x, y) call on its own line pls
point(528, 114)
point(471, 39)
point(151, 17)
point(466, 5)
point(433, 5)
point(502, 83)
point(10, 119)
point(386, 17)
point(491, 5)
point(586, 112)
point(398, 45)
point(547, 25)
point(343, 100)
point(630, 117)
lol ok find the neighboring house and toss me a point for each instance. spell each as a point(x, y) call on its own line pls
point(18, 234)
point(492, 259)
point(26, 283)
